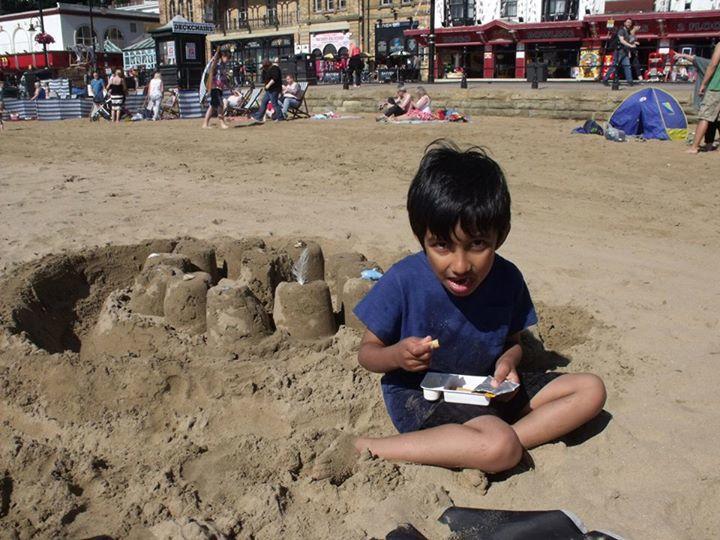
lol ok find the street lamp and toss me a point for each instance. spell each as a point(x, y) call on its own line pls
point(431, 44)
point(42, 30)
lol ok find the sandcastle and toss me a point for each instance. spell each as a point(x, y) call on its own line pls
point(213, 295)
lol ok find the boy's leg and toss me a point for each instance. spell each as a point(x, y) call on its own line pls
point(486, 443)
point(699, 136)
point(208, 115)
point(260, 114)
point(565, 404)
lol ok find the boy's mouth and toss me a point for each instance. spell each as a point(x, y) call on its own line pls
point(460, 286)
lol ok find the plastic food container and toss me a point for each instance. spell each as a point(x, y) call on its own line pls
point(453, 388)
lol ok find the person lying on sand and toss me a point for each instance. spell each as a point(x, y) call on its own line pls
point(458, 291)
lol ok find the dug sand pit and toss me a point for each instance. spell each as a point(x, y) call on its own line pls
point(185, 302)
point(308, 261)
point(304, 311)
point(201, 255)
point(354, 290)
point(233, 313)
point(148, 291)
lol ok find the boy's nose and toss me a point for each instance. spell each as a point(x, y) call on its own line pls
point(460, 264)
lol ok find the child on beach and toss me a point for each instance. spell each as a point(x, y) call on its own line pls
point(2, 112)
point(218, 81)
point(458, 291)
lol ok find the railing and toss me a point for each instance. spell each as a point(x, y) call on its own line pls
point(267, 21)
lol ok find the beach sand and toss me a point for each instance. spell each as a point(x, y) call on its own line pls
point(619, 244)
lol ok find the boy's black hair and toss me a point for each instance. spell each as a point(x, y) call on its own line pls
point(454, 186)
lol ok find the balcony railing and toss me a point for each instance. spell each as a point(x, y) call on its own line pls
point(271, 20)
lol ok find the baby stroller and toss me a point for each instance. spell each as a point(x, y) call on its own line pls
point(105, 111)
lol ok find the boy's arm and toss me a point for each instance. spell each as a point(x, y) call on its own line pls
point(506, 366)
point(410, 354)
point(710, 71)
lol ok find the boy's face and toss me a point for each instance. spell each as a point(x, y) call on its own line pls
point(464, 262)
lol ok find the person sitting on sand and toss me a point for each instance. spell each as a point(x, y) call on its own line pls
point(458, 291)
point(398, 105)
point(218, 74)
point(234, 100)
point(710, 106)
point(420, 108)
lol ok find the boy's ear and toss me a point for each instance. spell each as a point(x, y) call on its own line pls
point(502, 237)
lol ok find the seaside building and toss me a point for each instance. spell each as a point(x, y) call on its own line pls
point(497, 38)
point(109, 29)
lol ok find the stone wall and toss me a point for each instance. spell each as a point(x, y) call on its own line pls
point(580, 104)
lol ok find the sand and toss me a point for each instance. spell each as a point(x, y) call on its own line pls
point(136, 438)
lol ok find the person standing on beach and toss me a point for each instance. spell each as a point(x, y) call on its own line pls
point(272, 83)
point(355, 65)
point(155, 90)
point(621, 55)
point(97, 92)
point(117, 90)
point(710, 107)
point(218, 74)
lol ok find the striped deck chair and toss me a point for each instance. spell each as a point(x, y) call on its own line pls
point(301, 111)
point(251, 102)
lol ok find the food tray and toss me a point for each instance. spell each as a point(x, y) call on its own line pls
point(453, 388)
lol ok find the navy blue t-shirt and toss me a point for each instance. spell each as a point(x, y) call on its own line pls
point(410, 301)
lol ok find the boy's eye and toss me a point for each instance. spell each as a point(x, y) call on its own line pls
point(479, 244)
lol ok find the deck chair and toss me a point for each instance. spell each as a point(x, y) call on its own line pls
point(301, 111)
point(236, 110)
point(250, 102)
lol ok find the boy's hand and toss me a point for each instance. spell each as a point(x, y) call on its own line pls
point(505, 369)
point(414, 353)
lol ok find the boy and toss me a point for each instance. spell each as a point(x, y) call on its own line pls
point(710, 106)
point(475, 303)
point(218, 75)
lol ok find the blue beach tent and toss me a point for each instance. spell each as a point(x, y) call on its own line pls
point(652, 113)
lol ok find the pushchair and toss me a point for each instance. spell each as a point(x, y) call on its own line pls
point(105, 111)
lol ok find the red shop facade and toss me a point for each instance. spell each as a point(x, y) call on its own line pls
point(572, 49)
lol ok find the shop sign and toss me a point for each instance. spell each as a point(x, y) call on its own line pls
point(549, 34)
point(453, 38)
point(698, 26)
point(336, 39)
point(182, 27)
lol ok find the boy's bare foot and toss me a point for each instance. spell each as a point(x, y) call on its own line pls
point(692, 151)
point(338, 460)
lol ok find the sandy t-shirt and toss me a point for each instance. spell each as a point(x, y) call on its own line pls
point(410, 301)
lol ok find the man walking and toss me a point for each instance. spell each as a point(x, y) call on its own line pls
point(624, 45)
point(710, 106)
point(272, 83)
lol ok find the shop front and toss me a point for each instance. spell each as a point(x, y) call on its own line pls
point(249, 53)
point(397, 57)
point(180, 51)
point(571, 49)
point(329, 50)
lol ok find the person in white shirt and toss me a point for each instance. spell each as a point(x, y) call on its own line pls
point(155, 94)
point(290, 94)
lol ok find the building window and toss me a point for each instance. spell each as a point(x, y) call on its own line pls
point(82, 36)
point(462, 12)
point(508, 8)
point(114, 35)
point(406, 2)
point(318, 5)
point(386, 2)
point(342, 4)
point(181, 8)
point(190, 10)
point(330, 5)
point(560, 10)
point(171, 9)
point(271, 8)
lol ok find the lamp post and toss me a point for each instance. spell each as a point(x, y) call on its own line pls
point(42, 31)
point(431, 44)
point(92, 37)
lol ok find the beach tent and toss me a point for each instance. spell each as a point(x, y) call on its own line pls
point(652, 113)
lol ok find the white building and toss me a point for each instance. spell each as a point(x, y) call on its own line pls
point(69, 24)
point(469, 12)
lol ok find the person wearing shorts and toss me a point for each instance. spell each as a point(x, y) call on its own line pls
point(710, 107)
point(219, 81)
point(457, 307)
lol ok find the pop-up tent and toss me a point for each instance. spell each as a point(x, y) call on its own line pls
point(652, 113)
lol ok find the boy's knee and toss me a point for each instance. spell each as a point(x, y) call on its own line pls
point(594, 392)
point(504, 452)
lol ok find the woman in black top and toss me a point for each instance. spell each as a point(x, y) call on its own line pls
point(117, 90)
